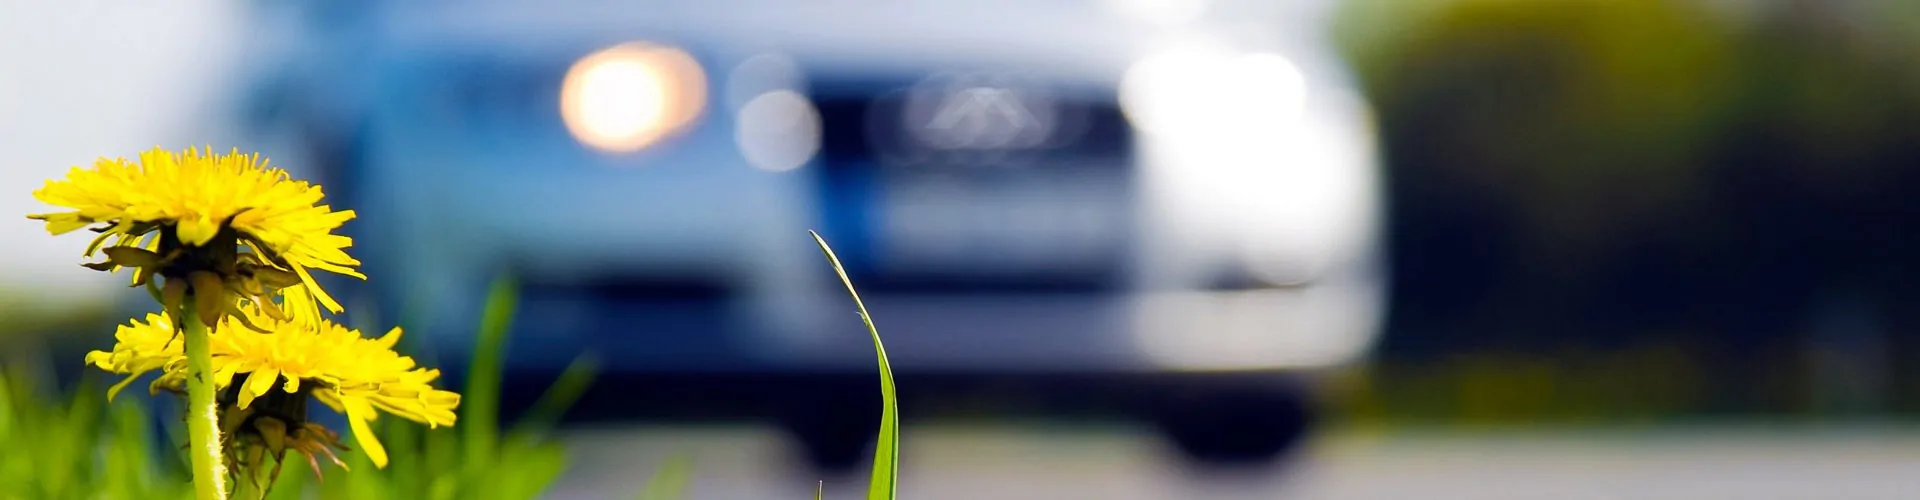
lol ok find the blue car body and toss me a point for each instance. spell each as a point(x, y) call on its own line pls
point(1106, 246)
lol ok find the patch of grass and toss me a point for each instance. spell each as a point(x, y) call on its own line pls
point(81, 447)
point(77, 446)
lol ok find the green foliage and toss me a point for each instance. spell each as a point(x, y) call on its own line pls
point(84, 448)
point(88, 449)
point(77, 447)
point(1555, 104)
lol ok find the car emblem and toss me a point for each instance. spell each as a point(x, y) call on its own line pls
point(979, 114)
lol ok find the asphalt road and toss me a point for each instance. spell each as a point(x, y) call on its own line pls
point(1703, 462)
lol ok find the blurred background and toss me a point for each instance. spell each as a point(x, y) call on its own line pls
point(1120, 248)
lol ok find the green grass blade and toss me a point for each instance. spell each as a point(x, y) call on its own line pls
point(886, 452)
point(480, 421)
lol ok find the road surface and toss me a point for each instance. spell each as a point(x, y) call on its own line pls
point(1692, 463)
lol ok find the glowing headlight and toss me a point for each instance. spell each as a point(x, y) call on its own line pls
point(1237, 152)
point(629, 96)
point(1199, 91)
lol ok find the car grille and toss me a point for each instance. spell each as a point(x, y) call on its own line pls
point(974, 136)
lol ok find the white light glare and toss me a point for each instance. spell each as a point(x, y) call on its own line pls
point(629, 96)
point(1199, 91)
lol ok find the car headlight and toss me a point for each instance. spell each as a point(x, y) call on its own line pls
point(629, 96)
point(1247, 166)
point(1204, 92)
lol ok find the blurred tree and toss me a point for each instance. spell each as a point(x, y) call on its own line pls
point(1818, 173)
point(1579, 174)
point(1540, 139)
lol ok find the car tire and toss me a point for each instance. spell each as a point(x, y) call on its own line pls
point(1242, 427)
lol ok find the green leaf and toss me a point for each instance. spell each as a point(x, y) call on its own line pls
point(480, 420)
point(886, 452)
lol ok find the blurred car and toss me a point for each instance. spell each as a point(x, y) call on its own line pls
point(1168, 209)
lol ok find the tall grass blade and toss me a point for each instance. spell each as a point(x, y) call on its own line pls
point(886, 451)
point(480, 405)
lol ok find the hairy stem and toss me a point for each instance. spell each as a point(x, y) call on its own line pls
point(203, 418)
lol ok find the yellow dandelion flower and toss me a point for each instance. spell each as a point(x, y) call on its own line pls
point(176, 215)
point(269, 375)
point(139, 348)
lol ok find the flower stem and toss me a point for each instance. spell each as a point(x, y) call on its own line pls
point(203, 421)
